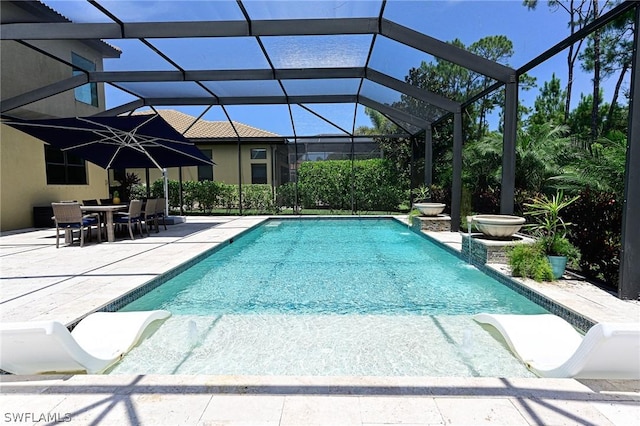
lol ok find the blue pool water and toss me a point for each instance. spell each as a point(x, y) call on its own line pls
point(343, 297)
point(341, 266)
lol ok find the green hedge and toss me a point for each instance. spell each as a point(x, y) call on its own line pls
point(376, 185)
point(206, 196)
point(321, 184)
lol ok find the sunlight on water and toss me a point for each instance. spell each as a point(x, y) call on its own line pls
point(328, 297)
point(340, 266)
point(325, 345)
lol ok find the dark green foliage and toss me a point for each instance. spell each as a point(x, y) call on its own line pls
point(286, 195)
point(597, 219)
point(529, 261)
point(191, 194)
point(560, 246)
point(328, 184)
point(549, 105)
point(130, 181)
point(157, 190)
point(138, 192)
point(258, 198)
point(206, 193)
point(205, 196)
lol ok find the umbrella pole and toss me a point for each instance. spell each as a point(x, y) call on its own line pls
point(108, 183)
point(181, 199)
point(146, 177)
point(166, 192)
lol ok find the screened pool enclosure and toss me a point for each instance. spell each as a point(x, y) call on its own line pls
point(322, 59)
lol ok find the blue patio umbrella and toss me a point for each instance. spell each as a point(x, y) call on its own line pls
point(136, 141)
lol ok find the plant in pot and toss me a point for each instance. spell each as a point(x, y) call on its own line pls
point(421, 198)
point(551, 229)
point(116, 197)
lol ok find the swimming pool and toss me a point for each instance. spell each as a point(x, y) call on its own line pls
point(328, 296)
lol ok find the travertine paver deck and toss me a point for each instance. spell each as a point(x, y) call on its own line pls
point(38, 281)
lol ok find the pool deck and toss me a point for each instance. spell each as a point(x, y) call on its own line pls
point(39, 281)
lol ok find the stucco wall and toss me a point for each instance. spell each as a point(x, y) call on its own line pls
point(22, 167)
point(24, 180)
point(226, 168)
point(23, 69)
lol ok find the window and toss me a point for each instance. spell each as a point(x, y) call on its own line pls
point(64, 168)
point(259, 154)
point(87, 93)
point(205, 172)
point(258, 173)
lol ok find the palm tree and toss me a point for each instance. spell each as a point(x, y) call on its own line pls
point(541, 154)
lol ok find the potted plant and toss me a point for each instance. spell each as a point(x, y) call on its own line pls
point(116, 197)
point(421, 198)
point(551, 229)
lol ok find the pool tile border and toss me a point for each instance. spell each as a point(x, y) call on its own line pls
point(572, 317)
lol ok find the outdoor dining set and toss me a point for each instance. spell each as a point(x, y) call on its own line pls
point(72, 216)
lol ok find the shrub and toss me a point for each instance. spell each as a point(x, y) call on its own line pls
point(206, 193)
point(286, 195)
point(138, 192)
point(597, 219)
point(258, 197)
point(529, 261)
point(376, 185)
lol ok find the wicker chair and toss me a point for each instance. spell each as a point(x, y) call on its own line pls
point(68, 217)
point(160, 203)
point(149, 214)
point(132, 217)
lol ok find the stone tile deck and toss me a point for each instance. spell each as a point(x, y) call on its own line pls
point(39, 281)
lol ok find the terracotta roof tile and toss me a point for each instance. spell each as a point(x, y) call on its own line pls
point(205, 129)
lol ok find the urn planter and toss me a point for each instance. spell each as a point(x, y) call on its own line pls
point(498, 225)
point(430, 209)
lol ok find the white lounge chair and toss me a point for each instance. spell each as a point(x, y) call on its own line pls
point(96, 343)
point(551, 347)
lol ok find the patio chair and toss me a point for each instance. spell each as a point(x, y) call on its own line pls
point(132, 218)
point(98, 341)
point(149, 214)
point(551, 347)
point(106, 201)
point(69, 217)
point(160, 204)
point(94, 202)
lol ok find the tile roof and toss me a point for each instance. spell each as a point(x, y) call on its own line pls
point(204, 129)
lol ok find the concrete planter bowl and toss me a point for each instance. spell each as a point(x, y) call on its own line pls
point(498, 225)
point(430, 209)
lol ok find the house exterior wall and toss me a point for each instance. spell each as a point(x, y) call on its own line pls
point(23, 183)
point(226, 168)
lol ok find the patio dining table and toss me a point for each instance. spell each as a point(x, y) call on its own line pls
point(108, 210)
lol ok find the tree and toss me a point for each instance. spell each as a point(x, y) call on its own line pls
point(541, 154)
point(579, 12)
point(580, 120)
point(549, 106)
point(397, 150)
point(616, 48)
point(459, 84)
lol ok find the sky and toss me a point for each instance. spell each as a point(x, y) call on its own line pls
point(531, 31)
